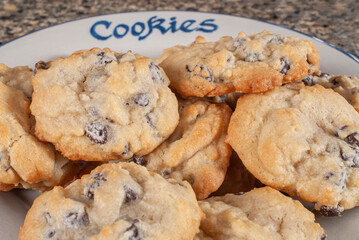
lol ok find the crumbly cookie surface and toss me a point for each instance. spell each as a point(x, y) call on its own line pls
point(196, 151)
point(25, 161)
point(263, 213)
point(17, 77)
point(303, 140)
point(116, 201)
point(247, 64)
point(98, 105)
point(346, 86)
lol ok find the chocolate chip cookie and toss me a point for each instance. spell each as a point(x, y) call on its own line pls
point(26, 162)
point(98, 105)
point(303, 140)
point(346, 86)
point(247, 63)
point(263, 213)
point(196, 151)
point(115, 201)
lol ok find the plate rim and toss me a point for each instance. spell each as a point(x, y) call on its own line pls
point(351, 56)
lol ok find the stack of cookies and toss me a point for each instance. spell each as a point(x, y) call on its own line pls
point(132, 148)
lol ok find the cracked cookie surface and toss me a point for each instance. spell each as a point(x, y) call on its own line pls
point(302, 140)
point(263, 213)
point(116, 201)
point(196, 151)
point(247, 64)
point(98, 105)
point(26, 162)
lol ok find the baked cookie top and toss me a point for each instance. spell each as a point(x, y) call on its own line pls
point(196, 151)
point(17, 77)
point(98, 105)
point(303, 140)
point(263, 213)
point(25, 161)
point(247, 63)
point(115, 201)
point(346, 86)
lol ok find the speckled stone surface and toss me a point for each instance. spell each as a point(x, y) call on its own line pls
point(333, 21)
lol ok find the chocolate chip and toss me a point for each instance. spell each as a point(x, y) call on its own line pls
point(96, 181)
point(328, 175)
point(344, 127)
point(252, 57)
point(141, 99)
point(201, 71)
point(50, 233)
point(350, 156)
point(42, 65)
point(331, 211)
point(165, 173)
point(126, 149)
point(353, 155)
point(103, 58)
point(308, 80)
point(47, 216)
point(90, 194)
point(284, 66)
point(334, 81)
point(150, 121)
point(138, 160)
point(97, 132)
point(75, 219)
point(134, 230)
point(155, 72)
point(131, 195)
point(238, 41)
point(323, 237)
point(335, 178)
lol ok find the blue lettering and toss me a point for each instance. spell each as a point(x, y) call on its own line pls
point(186, 24)
point(173, 25)
point(134, 31)
point(211, 26)
point(120, 35)
point(94, 32)
point(100, 29)
point(154, 24)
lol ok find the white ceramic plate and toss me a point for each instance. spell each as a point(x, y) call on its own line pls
point(148, 33)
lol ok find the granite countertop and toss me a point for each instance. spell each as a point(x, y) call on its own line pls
point(336, 22)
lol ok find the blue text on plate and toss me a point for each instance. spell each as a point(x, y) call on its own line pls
point(143, 29)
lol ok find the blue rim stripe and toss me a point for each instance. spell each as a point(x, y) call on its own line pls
point(356, 59)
